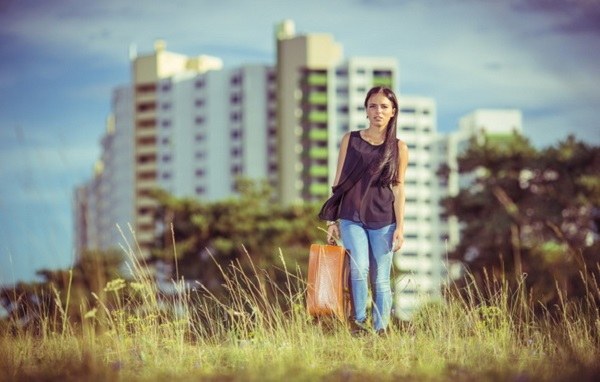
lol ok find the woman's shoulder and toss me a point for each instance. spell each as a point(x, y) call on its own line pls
point(401, 144)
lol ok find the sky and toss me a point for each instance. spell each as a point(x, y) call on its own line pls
point(62, 58)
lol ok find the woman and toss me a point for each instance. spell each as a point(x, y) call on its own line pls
point(369, 188)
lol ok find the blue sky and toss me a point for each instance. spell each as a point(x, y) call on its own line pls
point(60, 60)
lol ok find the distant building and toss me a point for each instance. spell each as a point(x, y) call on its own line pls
point(303, 101)
point(495, 124)
point(215, 127)
point(186, 126)
point(147, 73)
point(189, 126)
point(419, 263)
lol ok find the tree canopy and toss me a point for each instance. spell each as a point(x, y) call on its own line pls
point(530, 214)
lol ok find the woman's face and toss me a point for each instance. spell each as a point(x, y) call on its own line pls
point(380, 110)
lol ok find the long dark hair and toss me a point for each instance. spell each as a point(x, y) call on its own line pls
point(388, 167)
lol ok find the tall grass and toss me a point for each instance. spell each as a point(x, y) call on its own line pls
point(257, 329)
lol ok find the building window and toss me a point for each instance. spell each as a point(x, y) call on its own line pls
point(165, 140)
point(407, 128)
point(200, 172)
point(146, 106)
point(166, 106)
point(146, 88)
point(166, 175)
point(408, 110)
point(200, 83)
point(199, 120)
point(166, 123)
point(236, 79)
point(200, 190)
point(342, 92)
point(199, 102)
point(166, 87)
point(200, 155)
point(360, 71)
point(236, 134)
point(236, 152)
point(166, 158)
point(199, 137)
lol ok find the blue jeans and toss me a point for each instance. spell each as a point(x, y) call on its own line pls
point(370, 256)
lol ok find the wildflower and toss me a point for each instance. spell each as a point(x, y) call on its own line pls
point(137, 286)
point(114, 285)
point(91, 313)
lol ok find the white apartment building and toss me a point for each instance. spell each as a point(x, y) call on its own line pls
point(214, 127)
point(303, 109)
point(182, 128)
point(107, 199)
point(419, 264)
point(491, 123)
point(325, 100)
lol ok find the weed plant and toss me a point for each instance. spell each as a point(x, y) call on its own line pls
point(256, 329)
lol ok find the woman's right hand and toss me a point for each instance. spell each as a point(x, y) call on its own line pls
point(333, 234)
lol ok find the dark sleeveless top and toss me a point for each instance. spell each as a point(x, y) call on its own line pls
point(366, 202)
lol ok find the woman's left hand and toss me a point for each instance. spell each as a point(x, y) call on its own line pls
point(398, 239)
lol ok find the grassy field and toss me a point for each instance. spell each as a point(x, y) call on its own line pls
point(245, 334)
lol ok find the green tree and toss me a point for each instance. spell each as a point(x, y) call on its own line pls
point(248, 226)
point(29, 303)
point(530, 213)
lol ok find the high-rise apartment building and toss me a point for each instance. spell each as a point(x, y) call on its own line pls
point(419, 264)
point(320, 97)
point(214, 127)
point(179, 127)
point(303, 109)
point(147, 72)
point(108, 199)
point(494, 124)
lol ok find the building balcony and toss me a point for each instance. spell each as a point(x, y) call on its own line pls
point(146, 167)
point(317, 79)
point(145, 97)
point(382, 81)
point(319, 189)
point(149, 114)
point(146, 219)
point(146, 149)
point(318, 171)
point(317, 98)
point(144, 237)
point(318, 152)
point(317, 134)
point(147, 184)
point(148, 132)
point(317, 116)
point(146, 202)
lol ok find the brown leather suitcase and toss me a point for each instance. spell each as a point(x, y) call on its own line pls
point(328, 292)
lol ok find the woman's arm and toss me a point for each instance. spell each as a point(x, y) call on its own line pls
point(333, 231)
point(399, 197)
point(341, 158)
